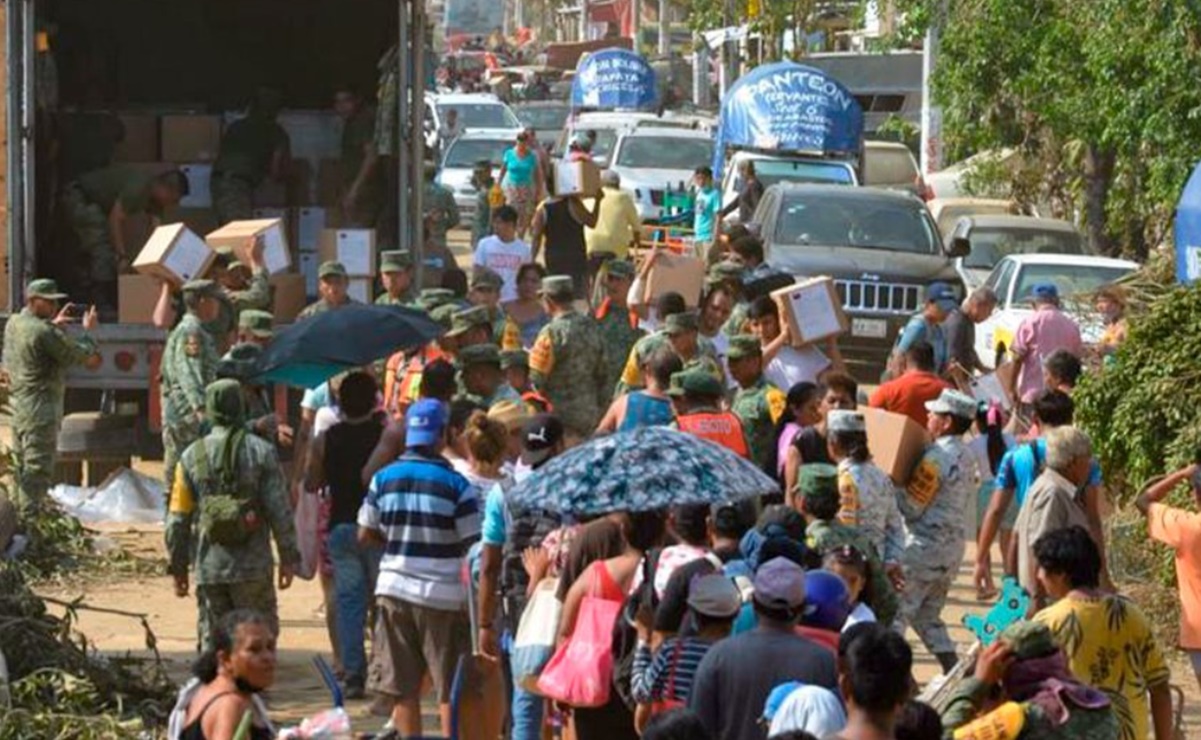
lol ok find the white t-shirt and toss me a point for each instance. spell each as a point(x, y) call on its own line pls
point(861, 613)
point(505, 259)
point(793, 365)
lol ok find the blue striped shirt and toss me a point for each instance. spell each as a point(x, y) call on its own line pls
point(429, 516)
point(656, 679)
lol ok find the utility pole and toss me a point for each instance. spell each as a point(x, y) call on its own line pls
point(931, 154)
point(410, 149)
point(664, 29)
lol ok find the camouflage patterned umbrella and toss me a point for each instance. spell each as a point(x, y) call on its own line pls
point(641, 470)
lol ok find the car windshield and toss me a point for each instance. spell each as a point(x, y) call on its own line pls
point(466, 152)
point(990, 244)
point(603, 146)
point(664, 152)
point(543, 117)
point(833, 220)
point(481, 115)
point(1072, 280)
point(772, 171)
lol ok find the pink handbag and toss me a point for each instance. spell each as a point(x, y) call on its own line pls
point(580, 673)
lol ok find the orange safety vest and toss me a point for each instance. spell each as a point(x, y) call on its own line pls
point(721, 427)
point(607, 305)
point(399, 392)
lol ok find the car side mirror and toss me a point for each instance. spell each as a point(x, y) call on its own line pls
point(960, 246)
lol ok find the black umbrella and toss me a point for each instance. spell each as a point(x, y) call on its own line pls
point(313, 350)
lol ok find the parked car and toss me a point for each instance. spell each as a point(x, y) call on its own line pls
point(608, 124)
point(1076, 277)
point(459, 160)
point(890, 164)
point(652, 161)
point(475, 111)
point(989, 238)
point(882, 249)
point(547, 117)
point(948, 211)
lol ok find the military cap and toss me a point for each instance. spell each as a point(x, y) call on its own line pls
point(726, 270)
point(620, 269)
point(258, 323)
point(483, 277)
point(744, 345)
point(818, 483)
point(841, 420)
point(954, 403)
point(514, 358)
point(558, 286)
point(241, 362)
point(468, 318)
point(431, 298)
point(395, 261)
point(202, 287)
point(444, 314)
point(678, 323)
point(695, 382)
point(1029, 640)
point(44, 288)
point(331, 269)
point(479, 354)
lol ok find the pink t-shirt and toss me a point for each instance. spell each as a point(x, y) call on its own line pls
point(1048, 330)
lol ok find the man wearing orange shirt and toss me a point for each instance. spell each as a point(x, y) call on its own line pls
point(1180, 530)
point(908, 393)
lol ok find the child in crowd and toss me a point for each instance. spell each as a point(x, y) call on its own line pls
point(852, 567)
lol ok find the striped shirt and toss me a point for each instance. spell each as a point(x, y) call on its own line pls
point(655, 679)
point(429, 516)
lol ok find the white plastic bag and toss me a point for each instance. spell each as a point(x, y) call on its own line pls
point(308, 537)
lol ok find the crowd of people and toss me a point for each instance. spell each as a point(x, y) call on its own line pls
point(745, 620)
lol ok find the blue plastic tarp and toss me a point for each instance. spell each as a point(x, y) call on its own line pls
point(613, 78)
point(788, 107)
point(1188, 230)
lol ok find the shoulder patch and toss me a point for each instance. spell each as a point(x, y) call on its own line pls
point(542, 354)
point(924, 484)
point(848, 499)
point(777, 401)
point(1003, 723)
point(192, 344)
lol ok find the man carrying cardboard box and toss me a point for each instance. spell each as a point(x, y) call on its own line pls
point(98, 205)
point(252, 149)
point(933, 505)
point(788, 365)
point(558, 226)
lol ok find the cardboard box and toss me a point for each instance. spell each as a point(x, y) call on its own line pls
point(812, 310)
point(288, 296)
point(238, 236)
point(191, 138)
point(200, 178)
point(896, 442)
point(361, 289)
point(141, 138)
point(582, 177)
point(682, 274)
point(310, 222)
point(354, 248)
point(174, 253)
point(137, 295)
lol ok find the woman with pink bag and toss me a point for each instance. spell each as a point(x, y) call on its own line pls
point(592, 606)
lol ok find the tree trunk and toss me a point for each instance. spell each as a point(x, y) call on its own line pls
point(1098, 178)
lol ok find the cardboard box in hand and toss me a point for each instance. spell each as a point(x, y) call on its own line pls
point(678, 273)
point(175, 254)
point(581, 177)
point(812, 310)
point(896, 442)
point(239, 236)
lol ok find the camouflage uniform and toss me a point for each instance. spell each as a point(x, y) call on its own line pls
point(247, 148)
point(37, 355)
point(256, 296)
point(868, 500)
point(759, 407)
point(396, 260)
point(1028, 718)
point(88, 202)
point(189, 364)
point(821, 537)
point(620, 332)
point(230, 577)
point(439, 204)
point(567, 364)
point(631, 374)
point(933, 506)
point(320, 306)
point(241, 364)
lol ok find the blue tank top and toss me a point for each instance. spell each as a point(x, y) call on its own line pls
point(645, 411)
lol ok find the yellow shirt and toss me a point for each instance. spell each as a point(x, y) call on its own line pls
point(1110, 646)
point(616, 224)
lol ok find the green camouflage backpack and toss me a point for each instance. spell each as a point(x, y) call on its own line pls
point(228, 515)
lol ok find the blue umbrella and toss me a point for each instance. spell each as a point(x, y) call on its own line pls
point(1187, 231)
point(641, 470)
point(313, 350)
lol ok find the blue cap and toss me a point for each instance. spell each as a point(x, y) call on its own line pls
point(1044, 292)
point(942, 294)
point(424, 423)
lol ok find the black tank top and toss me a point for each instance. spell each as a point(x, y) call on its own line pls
point(566, 253)
point(347, 447)
point(195, 731)
point(812, 446)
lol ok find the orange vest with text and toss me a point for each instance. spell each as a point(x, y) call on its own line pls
point(719, 427)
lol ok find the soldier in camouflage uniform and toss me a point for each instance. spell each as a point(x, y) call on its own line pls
point(228, 576)
point(618, 323)
point(332, 283)
point(758, 403)
point(481, 379)
point(441, 211)
point(484, 290)
point(252, 149)
point(702, 355)
point(396, 275)
point(241, 363)
point(933, 505)
point(482, 181)
point(37, 355)
point(729, 276)
point(1023, 690)
point(817, 491)
point(567, 362)
point(469, 327)
point(256, 327)
point(189, 364)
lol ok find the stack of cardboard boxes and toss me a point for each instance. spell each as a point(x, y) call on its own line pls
point(356, 250)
